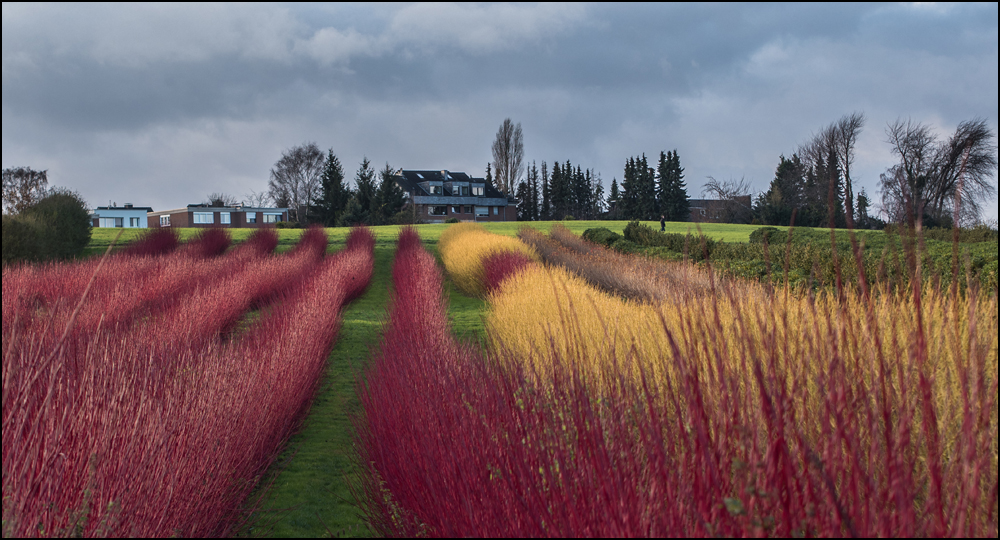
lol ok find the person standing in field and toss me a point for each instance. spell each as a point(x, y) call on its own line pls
point(663, 224)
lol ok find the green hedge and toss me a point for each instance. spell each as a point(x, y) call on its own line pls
point(811, 257)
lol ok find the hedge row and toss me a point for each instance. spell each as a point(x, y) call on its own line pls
point(810, 256)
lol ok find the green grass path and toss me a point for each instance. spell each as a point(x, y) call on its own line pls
point(310, 495)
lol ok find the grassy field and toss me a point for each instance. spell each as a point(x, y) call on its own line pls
point(100, 238)
point(308, 493)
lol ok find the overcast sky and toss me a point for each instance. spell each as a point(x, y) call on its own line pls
point(160, 105)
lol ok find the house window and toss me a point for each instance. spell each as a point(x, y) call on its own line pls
point(164, 221)
point(434, 190)
point(271, 218)
point(439, 210)
point(465, 191)
point(111, 222)
point(204, 218)
point(496, 210)
point(482, 210)
point(478, 191)
point(224, 218)
point(133, 222)
point(456, 209)
point(468, 209)
point(251, 217)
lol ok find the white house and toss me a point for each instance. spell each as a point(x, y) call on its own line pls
point(128, 216)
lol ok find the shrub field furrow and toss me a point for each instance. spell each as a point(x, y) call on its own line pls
point(731, 409)
point(125, 430)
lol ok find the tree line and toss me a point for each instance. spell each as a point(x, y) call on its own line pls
point(940, 183)
point(314, 188)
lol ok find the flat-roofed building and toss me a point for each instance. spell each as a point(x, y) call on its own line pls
point(127, 216)
point(206, 215)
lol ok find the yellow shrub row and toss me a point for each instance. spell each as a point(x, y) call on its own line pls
point(545, 312)
point(464, 247)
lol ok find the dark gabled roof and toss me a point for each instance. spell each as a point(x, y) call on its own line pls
point(410, 181)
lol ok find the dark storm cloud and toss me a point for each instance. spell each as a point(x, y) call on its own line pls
point(205, 97)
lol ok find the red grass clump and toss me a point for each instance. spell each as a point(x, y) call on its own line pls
point(128, 429)
point(501, 265)
point(154, 242)
point(210, 242)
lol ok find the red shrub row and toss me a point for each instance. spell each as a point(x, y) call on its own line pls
point(119, 432)
point(456, 445)
point(501, 265)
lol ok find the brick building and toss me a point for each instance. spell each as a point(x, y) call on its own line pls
point(205, 215)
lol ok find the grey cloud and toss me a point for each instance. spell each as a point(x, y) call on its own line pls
point(192, 95)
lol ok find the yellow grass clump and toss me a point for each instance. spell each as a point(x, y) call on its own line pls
point(464, 247)
point(547, 314)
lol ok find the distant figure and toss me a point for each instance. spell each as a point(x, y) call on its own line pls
point(663, 224)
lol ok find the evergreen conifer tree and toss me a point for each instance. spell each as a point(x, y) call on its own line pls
point(545, 212)
point(334, 193)
point(389, 199)
point(360, 208)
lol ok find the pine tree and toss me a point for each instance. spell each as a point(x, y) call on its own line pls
point(389, 199)
point(334, 193)
point(534, 187)
point(628, 201)
point(614, 199)
point(599, 203)
point(776, 205)
point(646, 200)
point(664, 188)
point(545, 212)
point(359, 209)
point(489, 175)
point(523, 197)
point(677, 208)
point(559, 191)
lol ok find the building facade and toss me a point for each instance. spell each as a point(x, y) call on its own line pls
point(126, 217)
point(205, 215)
point(437, 196)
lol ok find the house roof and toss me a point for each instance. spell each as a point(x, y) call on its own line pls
point(410, 181)
point(146, 208)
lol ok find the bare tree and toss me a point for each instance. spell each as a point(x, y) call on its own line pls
point(221, 199)
point(257, 200)
point(966, 164)
point(295, 179)
point(508, 156)
point(936, 181)
point(845, 137)
point(22, 188)
point(736, 198)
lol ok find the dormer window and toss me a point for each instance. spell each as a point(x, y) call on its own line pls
point(435, 190)
point(478, 191)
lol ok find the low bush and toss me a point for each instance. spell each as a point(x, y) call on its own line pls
point(20, 239)
point(601, 236)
